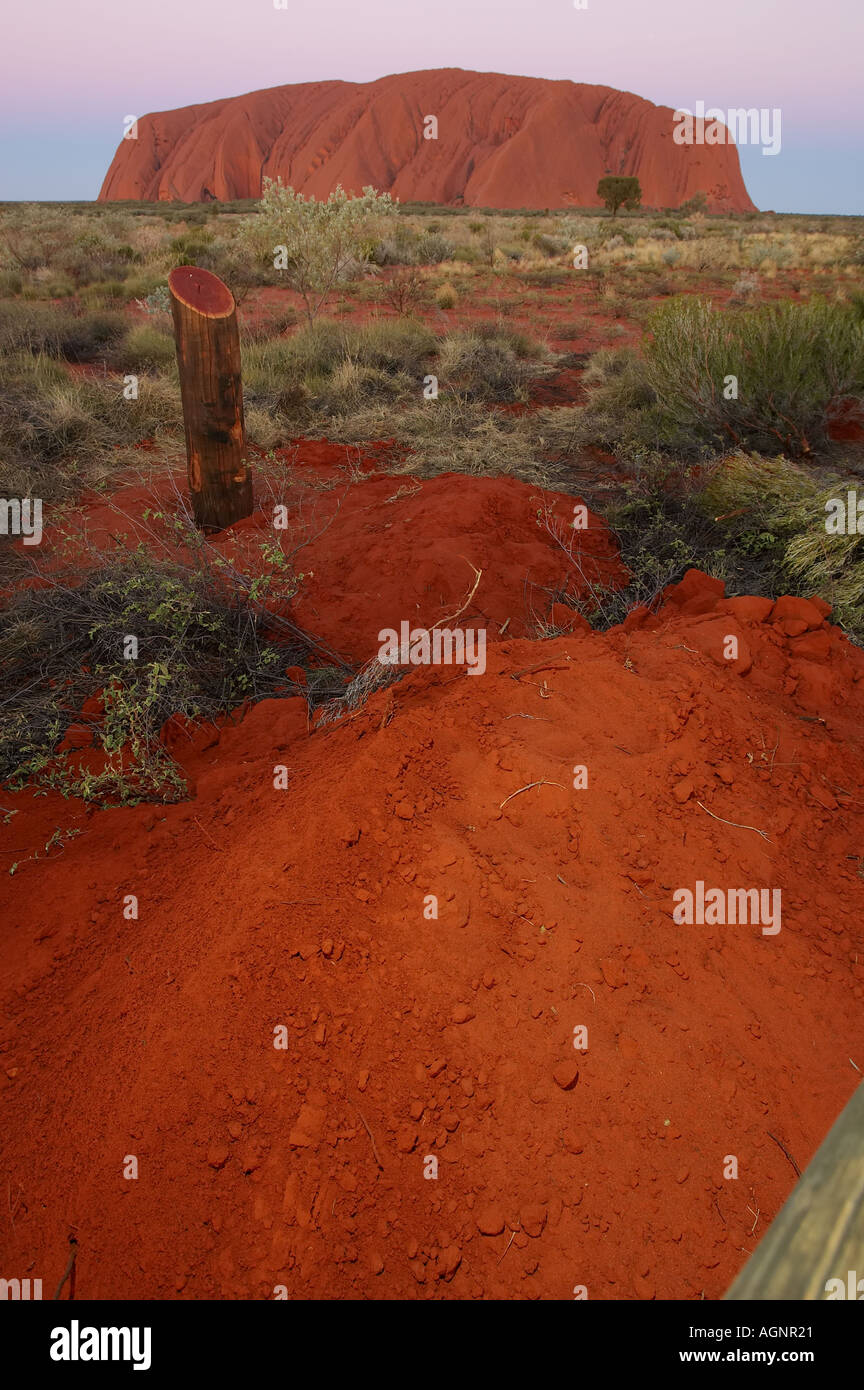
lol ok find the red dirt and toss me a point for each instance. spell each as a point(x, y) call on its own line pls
point(409, 1036)
point(380, 550)
point(502, 141)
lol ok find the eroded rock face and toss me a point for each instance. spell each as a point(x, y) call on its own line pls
point(502, 141)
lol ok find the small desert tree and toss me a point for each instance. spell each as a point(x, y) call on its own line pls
point(314, 244)
point(618, 190)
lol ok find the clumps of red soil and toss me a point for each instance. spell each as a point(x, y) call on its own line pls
point(428, 1130)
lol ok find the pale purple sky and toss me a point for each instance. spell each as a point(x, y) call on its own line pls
point(71, 70)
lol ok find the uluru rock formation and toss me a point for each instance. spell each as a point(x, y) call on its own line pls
point(502, 141)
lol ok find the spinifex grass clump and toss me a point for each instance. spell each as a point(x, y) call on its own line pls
point(758, 377)
point(59, 433)
point(756, 523)
point(206, 639)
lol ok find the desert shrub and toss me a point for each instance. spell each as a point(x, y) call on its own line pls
point(405, 292)
point(93, 256)
point(205, 646)
point(547, 276)
point(332, 365)
point(773, 506)
point(446, 296)
point(269, 325)
point(79, 337)
point(141, 286)
point(789, 359)
point(755, 522)
point(191, 248)
point(490, 364)
point(746, 287)
point(466, 255)
point(32, 236)
point(145, 346)
point(454, 435)
point(400, 248)
point(158, 301)
point(432, 248)
point(59, 434)
point(572, 329)
point(323, 241)
point(104, 294)
point(547, 245)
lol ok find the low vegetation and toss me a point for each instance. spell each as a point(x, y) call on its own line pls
point(702, 353)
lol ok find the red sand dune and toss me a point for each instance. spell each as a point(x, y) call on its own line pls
point(410, 1036)
point(503, 141)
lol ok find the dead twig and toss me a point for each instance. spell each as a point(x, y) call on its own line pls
point(70, 1266)
point(527, 787)
point(509, 1243)
point(207, 833)
point(734, 822)
point(785, 1150)
point(459, 611)
point(371, 1140)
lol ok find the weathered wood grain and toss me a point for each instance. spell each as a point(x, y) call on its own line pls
point(208, 357)
point(819, 1233)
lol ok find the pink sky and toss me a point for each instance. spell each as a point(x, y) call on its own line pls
point(77, 67)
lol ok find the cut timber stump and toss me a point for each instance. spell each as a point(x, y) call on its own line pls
point(208, 357)
point(814, 1247)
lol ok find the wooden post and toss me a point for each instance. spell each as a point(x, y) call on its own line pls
point(818, 1236)
point(208, 357)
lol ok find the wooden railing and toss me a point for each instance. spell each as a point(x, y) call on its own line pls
point(817, 1238)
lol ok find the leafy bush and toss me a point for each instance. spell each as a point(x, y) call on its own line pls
point(203, 648)
point(432, 248)
point(790, 360)
point(318, 243)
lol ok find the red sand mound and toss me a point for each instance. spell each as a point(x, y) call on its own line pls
point(428, 1129)
point(383, 549)
point(503, 141)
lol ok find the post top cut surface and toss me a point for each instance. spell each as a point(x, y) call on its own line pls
point(201, 290)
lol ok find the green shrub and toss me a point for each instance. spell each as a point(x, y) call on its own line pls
point(203, 648)
point(790, 360)
point(432, 248)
